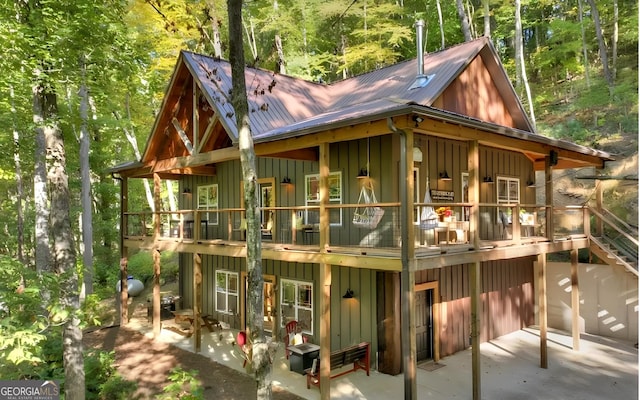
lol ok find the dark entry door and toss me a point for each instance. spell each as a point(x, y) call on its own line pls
point(424, 324)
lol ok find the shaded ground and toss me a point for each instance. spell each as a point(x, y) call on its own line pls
point(148, 363)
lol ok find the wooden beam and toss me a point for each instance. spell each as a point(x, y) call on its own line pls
point(156, 294)
point(124, 292)
point(195, 117)
point(197, 302)
point(575, 301)
point(548, 193)
point(474, 288)
point(300, 154)
point(325, 278)
point(124, 295)
point(182, 134)
point(157, 202)
point(196, 160)
point(347, 133)
point(485, 138)
point(542, 308)
point(207, 133)
point(473, 166)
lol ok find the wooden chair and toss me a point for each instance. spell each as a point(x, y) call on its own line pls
point(290, 327)
point(241, 341)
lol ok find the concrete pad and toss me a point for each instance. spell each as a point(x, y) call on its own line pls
point(604, 368)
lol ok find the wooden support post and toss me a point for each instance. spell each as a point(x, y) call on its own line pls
point(156, 293)
point(575, 301)
point(196, 117)
point(473, 166)
point(548, 192)
point(197, 302)
point(474, 287)
point(124, 292)
point(542, 308)
point(325, 277)
point(156, 255)
point(407, 276)
point(599, 198)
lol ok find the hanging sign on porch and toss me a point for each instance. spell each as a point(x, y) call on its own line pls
point(442, 195)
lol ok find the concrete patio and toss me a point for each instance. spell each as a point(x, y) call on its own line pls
point(604, 368)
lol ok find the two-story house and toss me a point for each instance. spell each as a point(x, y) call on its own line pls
point(416, 179)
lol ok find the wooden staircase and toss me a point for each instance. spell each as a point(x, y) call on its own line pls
point(614, 242)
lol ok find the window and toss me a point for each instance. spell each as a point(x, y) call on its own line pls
point(312, 198)
point(508, 192)
point(227, 292)
point(297, 304)
point(208, 199)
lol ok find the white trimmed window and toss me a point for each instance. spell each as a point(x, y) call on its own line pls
point(312, 197)
point(208, 200)
point(508, 192)
point(227, 292)
point(297, 304)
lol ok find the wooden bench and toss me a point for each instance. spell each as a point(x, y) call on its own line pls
point(357, 355)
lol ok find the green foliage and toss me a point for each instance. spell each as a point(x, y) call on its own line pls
point(102, 379)
point(184, 385)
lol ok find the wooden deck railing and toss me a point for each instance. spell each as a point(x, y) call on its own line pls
point(300, 225)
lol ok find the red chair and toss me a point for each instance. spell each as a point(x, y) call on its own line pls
point(291, 327)
point(241, 341)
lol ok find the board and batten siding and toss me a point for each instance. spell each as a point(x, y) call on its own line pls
point(352, 320)
point(507, 297)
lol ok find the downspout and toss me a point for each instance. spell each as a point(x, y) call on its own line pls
point(408, 359)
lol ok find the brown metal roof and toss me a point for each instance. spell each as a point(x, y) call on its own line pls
point(281, 106)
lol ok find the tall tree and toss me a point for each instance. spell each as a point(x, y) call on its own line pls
point(464, 21)
point(486, 18)
point(602, 47)
point(85, 178)
point(521, 71)
point(63, 252)
point(255, 312)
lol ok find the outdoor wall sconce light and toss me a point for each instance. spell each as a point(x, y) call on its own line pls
point(445, 176)
point(186, 191)
point(531, 183)
point(553, 158)
point(363, 173)
point(348, 294)
point(286, 181)
point(487, 179)
point(417, 119)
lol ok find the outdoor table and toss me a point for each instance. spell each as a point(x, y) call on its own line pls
point(302, 356)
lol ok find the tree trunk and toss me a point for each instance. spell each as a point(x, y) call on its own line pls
point(131, 138)
point(85, 191)
point(282, 68)
point(522, 72)
point(464, 21)
point(41, 201)
point(487, 18)
point(64, 256)
point(255, 312)
point(585, 56)
point(442, 43)
point(602, 47)
point(19, 184)
point(518, 46)
point(614, 42)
